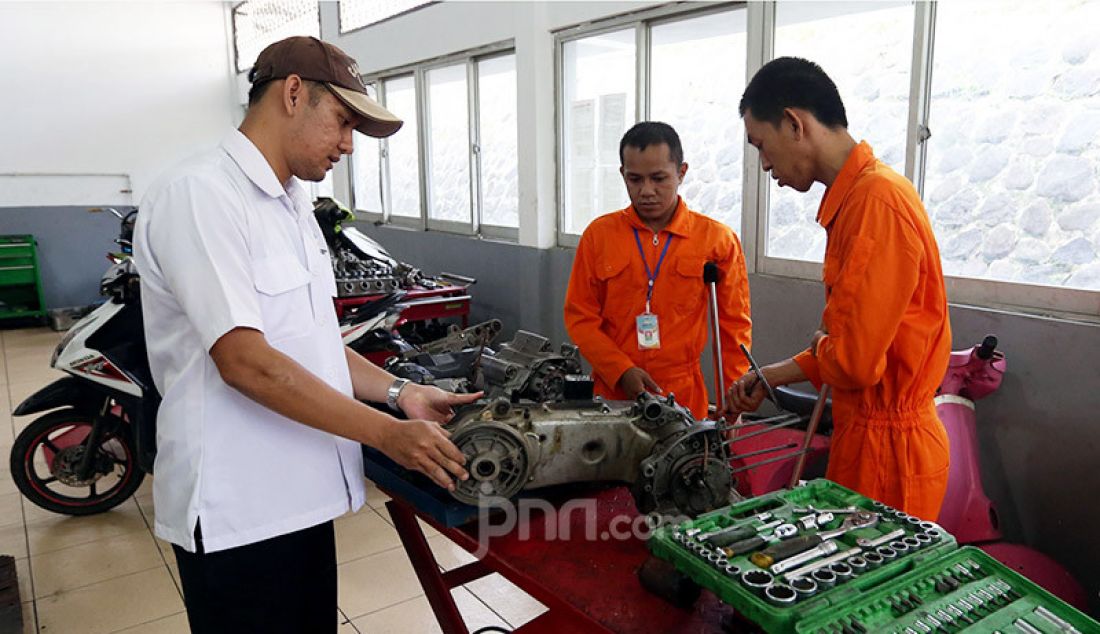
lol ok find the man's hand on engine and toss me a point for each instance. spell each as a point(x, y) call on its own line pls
point(424, 446)
point(431, 403)
point(636, 380)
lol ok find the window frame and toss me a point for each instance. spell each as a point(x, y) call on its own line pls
point(641, 22)
point(233, 36)
point(1051, 301)
point(419, 71)
point(340, 19)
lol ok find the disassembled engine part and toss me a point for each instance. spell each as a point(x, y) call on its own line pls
point(674, 464)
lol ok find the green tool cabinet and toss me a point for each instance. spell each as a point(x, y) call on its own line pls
point(20, 282)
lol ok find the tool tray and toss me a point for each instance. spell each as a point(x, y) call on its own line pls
point(876, 599)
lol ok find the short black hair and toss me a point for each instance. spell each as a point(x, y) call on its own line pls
point(647, 133)
point(793, 82)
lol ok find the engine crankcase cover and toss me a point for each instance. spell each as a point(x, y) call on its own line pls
point(497, 458)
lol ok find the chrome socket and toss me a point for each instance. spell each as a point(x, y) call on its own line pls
point(842, 571)
point(858, 564)
point(928, 526)
point(824, 578)
point(757, 581)
point(915, 521)
point(934, 535)
point(722, 562)
point(887, 553)
point(732, 571)
point(806, 587)
point(873, 559)
point(899, 547)
point(781, 596)
point(912, 542)
point(923, 539)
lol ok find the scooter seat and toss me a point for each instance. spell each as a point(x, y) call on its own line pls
point(802, 403)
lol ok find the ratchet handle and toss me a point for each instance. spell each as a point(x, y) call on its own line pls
point(744, 546)
point(725, 539)
point(785, 549)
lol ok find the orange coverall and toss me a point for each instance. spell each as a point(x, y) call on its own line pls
point(888, 338)
point(607, 291)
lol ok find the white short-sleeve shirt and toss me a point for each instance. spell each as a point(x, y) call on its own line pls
point(221, 244)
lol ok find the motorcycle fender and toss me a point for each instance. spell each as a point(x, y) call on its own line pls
point(62, 392)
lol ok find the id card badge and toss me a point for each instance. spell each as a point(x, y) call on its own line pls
point(649, 334)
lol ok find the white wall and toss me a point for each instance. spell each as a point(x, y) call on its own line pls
point(109, 88)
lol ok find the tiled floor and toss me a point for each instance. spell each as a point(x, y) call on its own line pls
point(108, 573)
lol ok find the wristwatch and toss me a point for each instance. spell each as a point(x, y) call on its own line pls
point(394, 391)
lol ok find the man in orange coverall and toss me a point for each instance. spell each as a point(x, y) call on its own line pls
point(884, 338)
point(636, 305)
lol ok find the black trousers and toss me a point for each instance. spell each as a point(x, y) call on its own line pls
point(285, 584)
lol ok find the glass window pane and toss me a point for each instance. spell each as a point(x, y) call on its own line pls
point(323, 188)
point(257, 23)
point(867, 50)
point(449, 143)
point(403, 151)
point(1013, 164)
point(597, 107)
point(697, 75)
point(496, 79)
point(359, 13)
point(366, 166)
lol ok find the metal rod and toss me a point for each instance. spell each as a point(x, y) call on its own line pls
point(710, 277)
point(776, 427)
point(768, 461)
point(761, 452)
point(764, 421)
point(811, 429)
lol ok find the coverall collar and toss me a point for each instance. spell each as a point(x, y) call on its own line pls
point(858, 159)
point(680, 224)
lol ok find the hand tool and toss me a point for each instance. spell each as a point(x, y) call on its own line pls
point(922, 627)
point(785, 531)
point(811, 429)
point(1026, 627)
point(732, 570)
point(821, 550)
point(911, 542)
point(710, 278)
point(821, 563)
point(864, 542)
point(899, 547)
point(782, 596)
point(874, 560)
point(1058, 622)
point(858, 565)
point(744, 546)
point(824, 578)
point(736, 532)
point(759, 376)
point(842, 571)
point(809, 508)
point(757, 580)
point(804, 586)
point(887, 553)
point(959, 614)
point(784, 550)
point(923, 539)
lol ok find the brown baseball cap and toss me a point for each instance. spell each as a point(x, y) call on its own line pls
point(312, 59)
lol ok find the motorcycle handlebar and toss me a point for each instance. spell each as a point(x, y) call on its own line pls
point(989, 344)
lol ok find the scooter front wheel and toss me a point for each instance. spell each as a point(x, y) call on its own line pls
point(46, 454)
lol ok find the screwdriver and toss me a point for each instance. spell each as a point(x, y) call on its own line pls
point(744, 546)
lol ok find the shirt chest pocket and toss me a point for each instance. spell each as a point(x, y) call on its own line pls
point(687, 289)
point(621, 294)
point(283, 293)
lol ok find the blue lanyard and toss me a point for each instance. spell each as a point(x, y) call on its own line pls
point(651, 275)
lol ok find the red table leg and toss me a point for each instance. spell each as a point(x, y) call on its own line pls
point(436, 588)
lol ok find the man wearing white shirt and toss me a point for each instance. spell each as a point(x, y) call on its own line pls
point(259, 430)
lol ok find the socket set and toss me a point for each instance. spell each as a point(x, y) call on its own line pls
point(798, 559)
point(965, 590)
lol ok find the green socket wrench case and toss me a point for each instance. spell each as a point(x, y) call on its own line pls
point(908, 576)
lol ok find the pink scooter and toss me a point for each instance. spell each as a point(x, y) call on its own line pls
point(967, 512)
